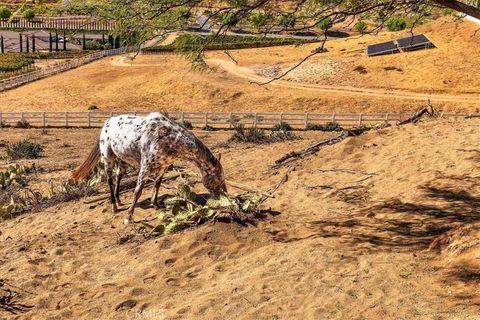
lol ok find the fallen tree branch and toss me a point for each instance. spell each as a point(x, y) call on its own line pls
point(320, 186)
point(314, 148)
point(473, 116)
point(347, 171)
point(282, 181)
point(416, 116)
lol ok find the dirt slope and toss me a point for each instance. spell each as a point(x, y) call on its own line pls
point(328, 254)
point(169, 83)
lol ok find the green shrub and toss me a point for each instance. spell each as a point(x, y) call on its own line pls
point(29, 14)
point(324, 24)
point(258, 20)
point(14, 61)
point(23, 124)
point(361, 26)
point(286, 20)
point(281, 135)
point(24, 149)
point(3, 125)
point(5, 12)
point(396, 24)
point(282, 126)
point(92, 107)
point(229, 18)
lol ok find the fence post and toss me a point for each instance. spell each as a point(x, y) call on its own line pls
point(386, 117)
point(1, 118)
point(66, 119)
point(333, 117)
point(281, 117)
point(206, 119)
point(183, 117)
point(44, 120)
point(255, 121)
point(306, 121)
point(230, 120)
point(360, 118)
point(89, 119)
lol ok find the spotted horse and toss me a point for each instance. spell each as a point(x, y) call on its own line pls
point(152, 143)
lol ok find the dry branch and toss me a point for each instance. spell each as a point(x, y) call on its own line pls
point(314, 148)
point(416, 116)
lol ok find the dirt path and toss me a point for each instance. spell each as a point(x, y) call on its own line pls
point(249, 74)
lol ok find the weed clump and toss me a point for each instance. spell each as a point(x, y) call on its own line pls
point(329, 126)
point(186, 124)
point(23, 124)
point(24, 149)
point(257, 135)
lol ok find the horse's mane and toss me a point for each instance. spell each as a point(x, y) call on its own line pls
point(205, 152)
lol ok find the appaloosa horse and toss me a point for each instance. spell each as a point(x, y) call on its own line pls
point(151, 143)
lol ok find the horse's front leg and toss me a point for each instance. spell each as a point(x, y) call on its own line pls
point(142, 175)
point(156, 186)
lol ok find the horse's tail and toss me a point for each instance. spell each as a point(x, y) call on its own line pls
point(83, 170)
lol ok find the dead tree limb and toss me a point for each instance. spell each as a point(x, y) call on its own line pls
point(314, 148)
point(415, 117)
point(282, 181)
point(472, 116)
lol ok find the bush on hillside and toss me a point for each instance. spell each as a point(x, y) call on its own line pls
point(29, 14)
point(396, 24)
point(5, 12)
point(361, 26)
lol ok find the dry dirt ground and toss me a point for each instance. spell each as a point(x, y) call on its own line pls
point(169, 83)
point(402, 246)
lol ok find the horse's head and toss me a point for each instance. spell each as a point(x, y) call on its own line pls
point(214, 180)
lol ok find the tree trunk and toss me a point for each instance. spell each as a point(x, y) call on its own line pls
point(461, 7)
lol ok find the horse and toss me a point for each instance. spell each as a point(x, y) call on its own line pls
point(152, 143)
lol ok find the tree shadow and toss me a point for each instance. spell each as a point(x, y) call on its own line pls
point(10, 301)
point(397, 225)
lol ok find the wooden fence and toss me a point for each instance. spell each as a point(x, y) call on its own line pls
point(42, 73)
point(224, 120)
point(57, 23)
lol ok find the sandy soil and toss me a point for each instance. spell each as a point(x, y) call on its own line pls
point(403, 246)
point(169, 83)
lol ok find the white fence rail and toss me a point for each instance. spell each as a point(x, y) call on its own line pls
point(224, 120)
point(57, 23)
point(13, 82)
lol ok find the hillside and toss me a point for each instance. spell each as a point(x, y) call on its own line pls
point(403, 245)
point(169, 83)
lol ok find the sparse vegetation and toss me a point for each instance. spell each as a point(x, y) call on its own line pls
point(282, 126)
point(187, 124)
point(208, 128)
point(29, 14)
point(23, 124)
point(257, 135)
point(329, 126)
point(24, 149)
point(92, 107)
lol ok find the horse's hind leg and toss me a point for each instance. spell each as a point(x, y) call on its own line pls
point(120, 173)
point(156, 186)
point(108, 162)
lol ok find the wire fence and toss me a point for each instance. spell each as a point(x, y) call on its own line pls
point(220, 120)
point(13, 82)
point(57, 23)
